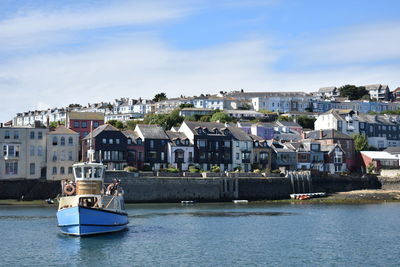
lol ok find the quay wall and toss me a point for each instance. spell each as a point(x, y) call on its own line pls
point(174, 189)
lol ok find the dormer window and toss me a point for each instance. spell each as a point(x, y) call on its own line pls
point(199, 131)
point(226, 132)
point(139, 141)
point(186, 142)
point(205, 130)
point(129, 141)
point(177, 141)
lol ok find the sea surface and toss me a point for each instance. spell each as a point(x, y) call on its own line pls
point(212, 235)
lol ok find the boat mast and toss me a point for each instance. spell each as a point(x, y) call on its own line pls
point(91, 152)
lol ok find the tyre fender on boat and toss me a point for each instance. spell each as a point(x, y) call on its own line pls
point(69, 189)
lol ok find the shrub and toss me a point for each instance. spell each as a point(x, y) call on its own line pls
point(370, 168)
point(130, 169)
point(193, 169)
point(257, 171)
point(276, 171)
point(172, 170)
point(215, 168)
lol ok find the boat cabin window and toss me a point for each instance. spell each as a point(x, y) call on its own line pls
point(78, 172)
point(87, 201)
point(88, 172)
point(98, 172)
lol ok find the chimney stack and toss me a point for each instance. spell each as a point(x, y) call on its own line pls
point(321, 134)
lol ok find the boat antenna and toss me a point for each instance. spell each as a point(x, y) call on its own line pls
point(91, 154)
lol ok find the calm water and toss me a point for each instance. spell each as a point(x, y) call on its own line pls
point(212, 235)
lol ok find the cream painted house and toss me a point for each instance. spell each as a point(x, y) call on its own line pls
point(23, 154)
point(62, 152)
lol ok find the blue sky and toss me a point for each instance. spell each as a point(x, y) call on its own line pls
point(54, 53)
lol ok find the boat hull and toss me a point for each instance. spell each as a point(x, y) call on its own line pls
point(81, 221)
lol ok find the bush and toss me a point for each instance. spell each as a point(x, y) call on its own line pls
point(147, 168)
point(276, 171)
point(215, 168)
point(130, 169)
point(370, 168)
point(193, 169)
point(257, 171)
point(172, 170)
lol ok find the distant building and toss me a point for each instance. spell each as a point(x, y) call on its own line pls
point(282, 102)
point(135, 149)
point(81, 122)
point(262, 153)
point(328, 92)
point(378, 92)
point(23, 153)
point(379, 160)
point(109, 145)
point(155, 145)
point(62, 151)
point(180, 150)
point(334, 158)
point(190, 112)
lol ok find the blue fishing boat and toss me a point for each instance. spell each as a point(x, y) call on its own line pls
point(88, 206)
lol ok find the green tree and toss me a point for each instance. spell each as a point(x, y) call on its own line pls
point(117, 124)
point(221, 117)
point(55, 124)
point(131, 124)
point(353, 92)
point(164, 120)
point(360, 142)
point(160, 97)
point(306, 122)
point(284, 118)
point(205, 118)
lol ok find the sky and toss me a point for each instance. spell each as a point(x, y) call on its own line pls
point(54, 53)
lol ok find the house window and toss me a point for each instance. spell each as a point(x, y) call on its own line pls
point(162, 154)
point(32, 169)
point(76, 124)
point(186, 142)
point(40, 135)
point(216, 145)
point(152, 144)
point(69, 170)
point(84, 124)
point(190, 156)
point(70, 156)
point(203, 155)
point(237, 144)
point(140, 156)
point(40, 150)
point(62, 170)
point(110, 141)
point(32, 150)
point(129, 141)
point(62, 141)
point(70, 141)
point(85, 133)
point(32, 135)
point(16, 135)
point(54, 170)
point(201, 143)
point(227, 143)
point(55, 156)
point(7, 135)
point(104, 141)
point(55, 141)
point(153, 155)
point(139, 141)
point(237, 155)
point(11, 168)
point(178, 142)
point(117, 141)
point(95, 124)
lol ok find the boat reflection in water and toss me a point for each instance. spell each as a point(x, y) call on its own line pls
point(87, 206)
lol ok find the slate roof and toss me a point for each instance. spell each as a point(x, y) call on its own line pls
point(152, 131)
point(289, 124)
point(85, 116)
point(326, 134)
point(327, 89)
point(393, 150)
point(131, 134)
point(61, 129)
point(101, 128)
point(379, 155)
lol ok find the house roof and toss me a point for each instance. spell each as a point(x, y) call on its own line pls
point(370, 87)
point(152, 131)
point(393, 150)
point(289, 124)
point(85, 116)
point(327, 89)
point(100, 129)
point(61, 129)
point(382, 155)
point(239, 134)
point(131, 134)
point(326, 134)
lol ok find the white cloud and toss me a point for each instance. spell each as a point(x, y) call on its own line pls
point(357, 44)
